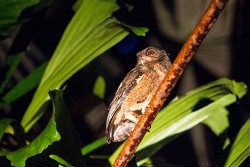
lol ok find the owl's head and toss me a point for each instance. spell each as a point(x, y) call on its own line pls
point(150, 54)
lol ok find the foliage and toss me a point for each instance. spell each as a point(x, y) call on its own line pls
point(91, 32)
point(10, 13)
point(171, 122)
point(24, 86)
point(99, 87)
point(181, 115)
point(240, 149)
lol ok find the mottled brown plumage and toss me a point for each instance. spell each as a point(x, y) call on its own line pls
point(135, 92)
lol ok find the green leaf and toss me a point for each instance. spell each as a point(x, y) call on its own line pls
point(92, 146)
point(240, 149)
point(24, 86)
point(10, 65)
point(218, 123)
point(239, 88)
point(138, 31)
point(60, 160)
point(77, 5)
point(60, 128)
point(91, 32)
point(69, 145)
point(99, 87)
point(180, 115)
point(4, 123)
point(48, 136)
point(10, 11)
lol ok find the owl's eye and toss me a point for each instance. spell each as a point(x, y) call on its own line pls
point(151, 52)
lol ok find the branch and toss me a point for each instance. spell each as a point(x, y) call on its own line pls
point(174, 73)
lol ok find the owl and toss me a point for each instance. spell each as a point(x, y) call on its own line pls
point(135, 92)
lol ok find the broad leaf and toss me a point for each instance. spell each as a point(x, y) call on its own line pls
point(24, 86)
point(9, 68)
point(91, 32)
point(218, 123)
point(180, 115)
point(48, 136)
point(69, 145)
point(240, 149)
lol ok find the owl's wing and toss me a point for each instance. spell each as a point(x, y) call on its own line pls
point(128, 83)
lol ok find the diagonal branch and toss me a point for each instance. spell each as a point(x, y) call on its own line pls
point(185, 55)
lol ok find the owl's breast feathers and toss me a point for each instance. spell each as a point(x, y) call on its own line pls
point(128, 83)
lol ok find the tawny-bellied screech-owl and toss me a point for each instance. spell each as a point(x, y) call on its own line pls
point(135, 92)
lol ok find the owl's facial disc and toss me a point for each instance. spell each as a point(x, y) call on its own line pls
point(149, 54)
